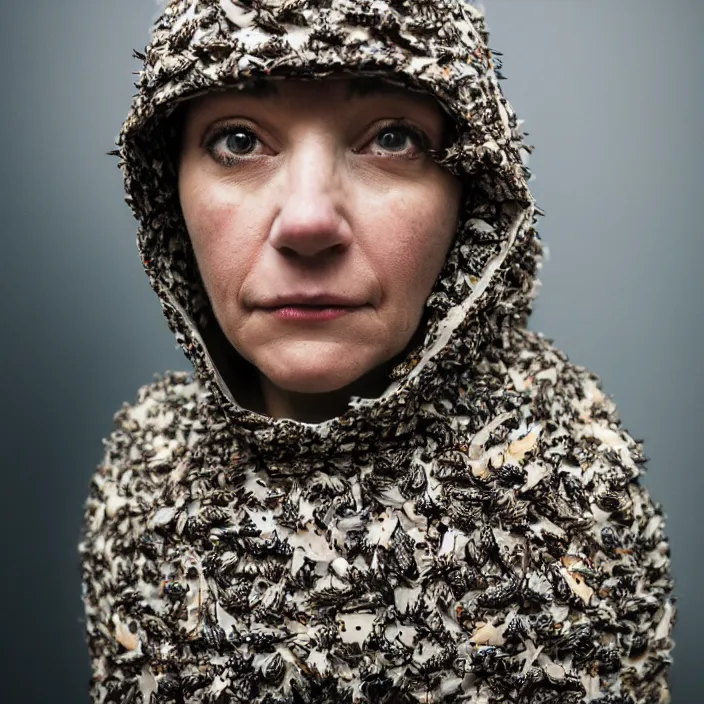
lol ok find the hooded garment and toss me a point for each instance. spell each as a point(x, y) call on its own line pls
point(477, 533)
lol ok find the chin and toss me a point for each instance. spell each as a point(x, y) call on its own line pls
point(317, 371)
point(303, 383)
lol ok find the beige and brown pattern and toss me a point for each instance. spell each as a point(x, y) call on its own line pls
point(476, 534)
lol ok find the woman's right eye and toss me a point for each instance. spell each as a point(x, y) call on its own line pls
point(229, 143)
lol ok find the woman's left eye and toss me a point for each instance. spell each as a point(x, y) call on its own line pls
point(240, 141)
point(400, 138)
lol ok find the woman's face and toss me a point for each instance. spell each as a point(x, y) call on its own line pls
point(318, 221)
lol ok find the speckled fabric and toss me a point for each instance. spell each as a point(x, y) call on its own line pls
point(478, 533)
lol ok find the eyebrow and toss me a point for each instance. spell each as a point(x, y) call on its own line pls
point(373, 86)
point(357, 87)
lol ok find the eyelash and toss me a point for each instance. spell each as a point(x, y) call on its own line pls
point(417, 136)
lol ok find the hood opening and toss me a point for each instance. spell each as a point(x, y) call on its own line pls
point(237, 374)
point(488, 280)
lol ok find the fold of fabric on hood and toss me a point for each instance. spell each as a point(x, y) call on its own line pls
point(478, 533)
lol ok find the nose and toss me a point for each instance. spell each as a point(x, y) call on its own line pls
point(311, 221)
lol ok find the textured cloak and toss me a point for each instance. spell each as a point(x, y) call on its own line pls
point(478, 533)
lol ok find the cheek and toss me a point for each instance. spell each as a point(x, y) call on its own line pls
point(218, 230)
point(416, 237)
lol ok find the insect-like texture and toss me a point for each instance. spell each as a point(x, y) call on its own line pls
point(193, 681)
point(499, 595)
point(213, 635)
point(274, 669)
point(235, 597)
point(415, 481)
point(488, 660)
point(169, 686)
point(478, 533)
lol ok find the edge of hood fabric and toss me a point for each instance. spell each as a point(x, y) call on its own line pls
point(478, 533)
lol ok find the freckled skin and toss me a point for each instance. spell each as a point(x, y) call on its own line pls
point(318, 207)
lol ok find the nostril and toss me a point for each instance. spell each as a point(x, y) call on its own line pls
point(289, 252)
point(320, 251)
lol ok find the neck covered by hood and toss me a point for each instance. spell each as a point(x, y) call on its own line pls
point(437, 46)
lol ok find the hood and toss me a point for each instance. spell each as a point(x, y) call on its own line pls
point(436, 46)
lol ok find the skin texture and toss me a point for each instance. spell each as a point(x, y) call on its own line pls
point(287, 196)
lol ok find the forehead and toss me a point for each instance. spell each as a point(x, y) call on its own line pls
point(336, 89)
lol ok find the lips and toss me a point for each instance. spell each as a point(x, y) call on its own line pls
point(313, 301)
point(310, 313)
point(312, 308)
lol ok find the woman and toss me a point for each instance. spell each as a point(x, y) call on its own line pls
point(378, 485)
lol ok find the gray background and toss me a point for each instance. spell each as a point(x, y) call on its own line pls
point(611, 92)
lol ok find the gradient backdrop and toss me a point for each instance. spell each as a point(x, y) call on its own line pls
point(611, 92)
